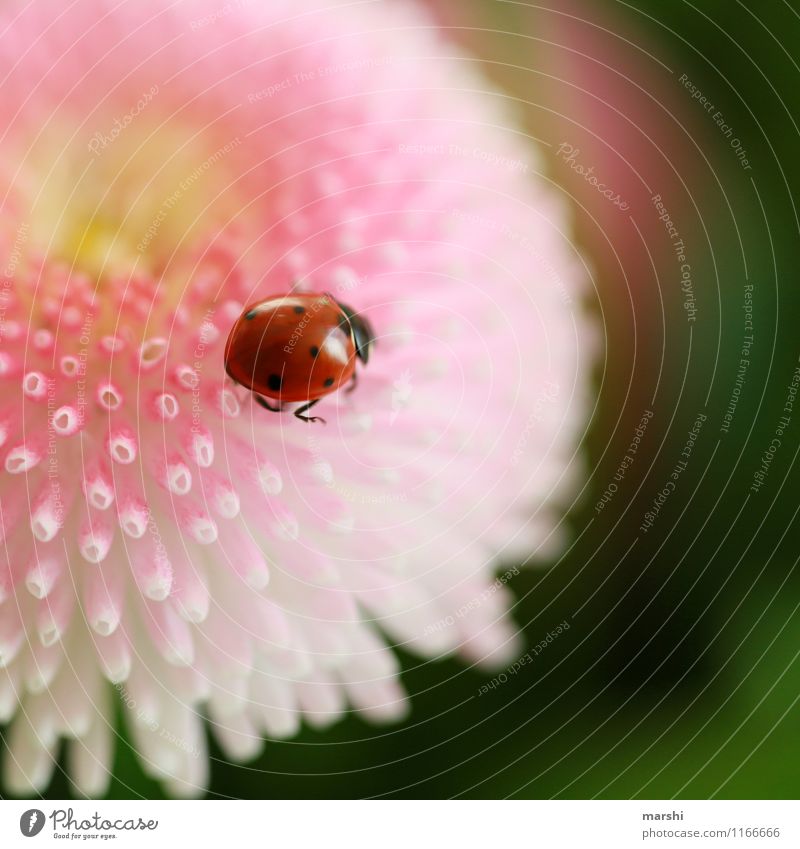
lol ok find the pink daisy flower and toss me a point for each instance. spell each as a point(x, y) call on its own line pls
point(169, 543)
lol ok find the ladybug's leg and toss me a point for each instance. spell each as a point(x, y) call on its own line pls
point(265, 405)
point(353, 383)
point(305, 408)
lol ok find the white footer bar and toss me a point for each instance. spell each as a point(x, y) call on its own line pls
point(403, 824)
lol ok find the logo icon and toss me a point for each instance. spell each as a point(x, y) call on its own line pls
point(31, 822)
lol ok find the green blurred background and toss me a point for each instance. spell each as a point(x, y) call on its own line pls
point(679, 673)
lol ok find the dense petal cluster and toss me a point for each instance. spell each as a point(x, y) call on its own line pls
point(162, 166)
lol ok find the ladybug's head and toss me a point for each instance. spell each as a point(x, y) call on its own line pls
point(361, 331)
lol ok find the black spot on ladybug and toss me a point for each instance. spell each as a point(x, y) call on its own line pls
point(299, 310)
point(314, 351)
point(251, 314)
point(329, 381)
point(274, 382)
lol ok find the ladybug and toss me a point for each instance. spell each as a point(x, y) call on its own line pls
point(297, 347)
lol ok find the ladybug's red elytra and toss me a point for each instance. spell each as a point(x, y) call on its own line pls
point(297, 347)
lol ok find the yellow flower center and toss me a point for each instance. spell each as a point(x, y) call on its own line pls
point(129, 198)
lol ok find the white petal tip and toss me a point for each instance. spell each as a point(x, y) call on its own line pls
point(49, 636)
point(105, 625)
point(271, 482)
point(37, 683)
point(45, 528)
point(157, 590)
point(343, 526)
point(282, 726)
point(36, 587)
point(258, 578)
point(179, 658)
point(179, 480)
point(94, 552)
point(389, 712)
point(185, 790)
point(193, 612)
point(119, 674)
point(156, 583)
point(228, 505)
point(204, 531)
